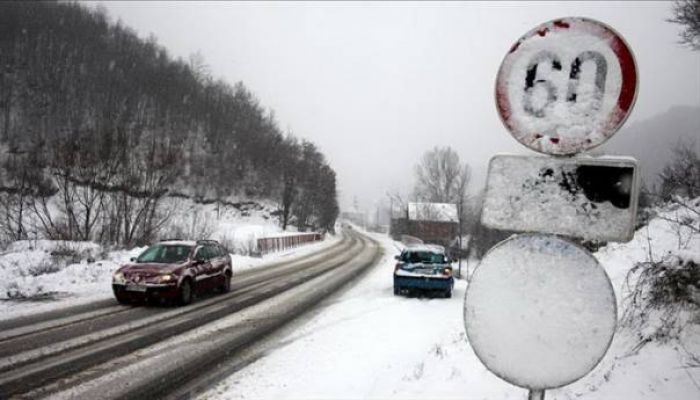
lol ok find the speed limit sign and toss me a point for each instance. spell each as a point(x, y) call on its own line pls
point(540, 311)
point(566, 86)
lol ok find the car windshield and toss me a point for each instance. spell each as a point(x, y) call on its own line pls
point(165, 254)
point(425, 257)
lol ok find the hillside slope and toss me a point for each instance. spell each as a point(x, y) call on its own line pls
point(104, 125)
point(652, 140)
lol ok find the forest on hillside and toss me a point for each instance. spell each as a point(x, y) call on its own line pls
point(98, 127)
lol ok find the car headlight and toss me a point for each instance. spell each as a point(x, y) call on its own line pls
point(167, 278)
point(118, 277)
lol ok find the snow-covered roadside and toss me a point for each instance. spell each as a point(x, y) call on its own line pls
point(631, 370)
point(368, 343)
point(38, 276)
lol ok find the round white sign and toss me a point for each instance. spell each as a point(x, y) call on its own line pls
point(566, 86)
point(540, 311)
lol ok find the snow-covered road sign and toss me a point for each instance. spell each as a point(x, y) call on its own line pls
point(540, 311)
point(566, 86)
point(583, 197)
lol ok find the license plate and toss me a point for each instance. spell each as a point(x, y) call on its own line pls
point(135, 288)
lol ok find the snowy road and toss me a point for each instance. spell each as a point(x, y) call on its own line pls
point(90, 351)
point(367, 343)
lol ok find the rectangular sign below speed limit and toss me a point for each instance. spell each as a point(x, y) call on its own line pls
point(581, 197)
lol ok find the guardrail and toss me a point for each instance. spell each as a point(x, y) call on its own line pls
point(271, 244)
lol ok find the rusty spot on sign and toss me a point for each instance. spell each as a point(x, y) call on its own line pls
point(515, 46)
point(561, 24)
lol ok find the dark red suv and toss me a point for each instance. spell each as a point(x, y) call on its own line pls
point(174, 270)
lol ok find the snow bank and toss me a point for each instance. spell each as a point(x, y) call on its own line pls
point(42, 279)
point(44, 269)
point(647, 369)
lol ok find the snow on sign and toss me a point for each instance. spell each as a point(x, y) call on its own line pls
point(566, 86)
point(583, 197)
point(539, 311)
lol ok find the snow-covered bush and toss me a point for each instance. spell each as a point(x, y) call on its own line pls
point(665, 296)
point(664, 291)
point(44, 266)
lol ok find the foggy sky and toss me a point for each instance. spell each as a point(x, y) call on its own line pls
point(374, 85)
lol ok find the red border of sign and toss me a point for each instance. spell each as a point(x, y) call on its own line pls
point(628, 68)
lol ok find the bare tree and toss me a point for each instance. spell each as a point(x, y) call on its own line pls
point(16, 197)
point(681, 176)
point(199, 68)
point(440, 177)
point(687, 14)
point(288, 191)
point(397, 202)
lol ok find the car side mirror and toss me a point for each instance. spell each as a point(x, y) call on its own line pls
point(398, 258)
point(132, 259)
point(199, 260)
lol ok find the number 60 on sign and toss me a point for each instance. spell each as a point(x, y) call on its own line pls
point(566, 86)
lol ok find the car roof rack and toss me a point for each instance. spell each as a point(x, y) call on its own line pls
point(172, 240)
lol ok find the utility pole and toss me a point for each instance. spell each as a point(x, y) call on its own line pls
point(376, 218)
point(391, 217)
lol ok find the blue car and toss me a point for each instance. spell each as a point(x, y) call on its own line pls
point(423, 268)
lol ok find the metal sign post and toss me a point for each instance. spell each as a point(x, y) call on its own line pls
point(540, 311)
point(535, 395)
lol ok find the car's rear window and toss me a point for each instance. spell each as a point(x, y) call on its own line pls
point(425, 257)
point(165, 254)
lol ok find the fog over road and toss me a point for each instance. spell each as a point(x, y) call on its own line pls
point(382, 82)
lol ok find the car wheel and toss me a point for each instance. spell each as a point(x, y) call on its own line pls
point(397, 291)
point(185, 293)
point(226, 286)
point(448, 293)
point(122, 299)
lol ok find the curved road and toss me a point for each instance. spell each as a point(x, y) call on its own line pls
point(108, 351)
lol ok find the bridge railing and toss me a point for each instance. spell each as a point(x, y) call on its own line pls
point(278, 243)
